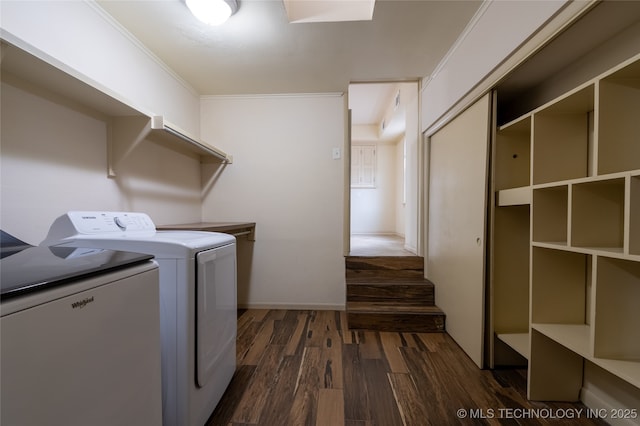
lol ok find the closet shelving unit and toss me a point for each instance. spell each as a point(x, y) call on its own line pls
point(566, 250)
point(129, 126)
point(510, 283)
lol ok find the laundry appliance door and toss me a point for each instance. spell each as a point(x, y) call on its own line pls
point(216, 309)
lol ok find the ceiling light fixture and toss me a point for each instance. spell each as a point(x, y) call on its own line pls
point(212, 12)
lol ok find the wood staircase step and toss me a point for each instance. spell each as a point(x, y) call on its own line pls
point(383, 274)
point(415, 293)
point(385, 263)
point(393, 317)
point(390, 293)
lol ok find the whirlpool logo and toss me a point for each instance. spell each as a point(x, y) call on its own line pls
point(82, 303)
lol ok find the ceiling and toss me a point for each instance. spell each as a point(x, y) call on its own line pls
point(382, 108)
point(368, 102)
point(259, 52)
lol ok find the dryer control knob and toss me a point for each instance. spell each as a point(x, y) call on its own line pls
point(120, 223)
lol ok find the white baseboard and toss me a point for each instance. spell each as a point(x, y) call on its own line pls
point(294, 307)
point(599, 408)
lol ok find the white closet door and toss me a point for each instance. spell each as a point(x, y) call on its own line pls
point(458, 181)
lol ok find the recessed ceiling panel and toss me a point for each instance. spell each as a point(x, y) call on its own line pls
point(300, 11)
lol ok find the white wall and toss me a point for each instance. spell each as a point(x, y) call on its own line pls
point(497, 30)
point(399, 205)
point(411, 223)
point(54, 159)
point(283, 178)
point(78, 37)
point(373, 210)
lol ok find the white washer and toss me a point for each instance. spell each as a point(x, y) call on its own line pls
point(80, 342)
point(198, 308)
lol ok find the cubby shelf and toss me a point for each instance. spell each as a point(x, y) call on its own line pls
point(561, 137)
point(597, 214)
point(517, 341)
point(572, 336)
point(634, 215)
point(580, 195)
point(510, 281)
point(550, 214)
point(616, 331)
point(619, 126)
point(513, 154)
point(576, 338)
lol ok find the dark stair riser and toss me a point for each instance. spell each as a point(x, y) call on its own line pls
point(385, 263)
point(397, 322)
point(388, 275)
point(411, 294)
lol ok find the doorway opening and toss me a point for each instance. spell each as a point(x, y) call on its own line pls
point(384, 172)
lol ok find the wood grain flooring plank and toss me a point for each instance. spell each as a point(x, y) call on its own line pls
point(259, 389)
point(433, 396)
point(412, 340)
point(297, 340)
point(369, 344)
point(330, 408)
point(411, 407)
point(384, 410)
point(308, 383)
point(245, 339)
point(479, 388)
point(457, 393)
point(391, 344)
point(277, 314)
point(284, 328)
point(262, 340)
point(331, 358)
point(318, 326)
point(277, 408)
point(231, 399)
point(356, 398)
point(327, 338)
point(433, 341)
point(346, 334)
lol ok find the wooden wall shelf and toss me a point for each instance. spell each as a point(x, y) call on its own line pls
point(236, 229)
point(129, 126)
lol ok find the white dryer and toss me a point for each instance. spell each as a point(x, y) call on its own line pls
point(198, 307)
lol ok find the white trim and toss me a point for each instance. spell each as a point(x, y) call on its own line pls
point(138, 44)
point(593, 401)
point(276, 95)
point(296, 306)
point(463, 35)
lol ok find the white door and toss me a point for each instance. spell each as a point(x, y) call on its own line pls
point(458, 181)
point(216, 317)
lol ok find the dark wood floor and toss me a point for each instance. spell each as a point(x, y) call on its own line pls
point(307, 368)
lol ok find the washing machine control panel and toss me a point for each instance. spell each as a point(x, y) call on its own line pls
point(86, 222)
